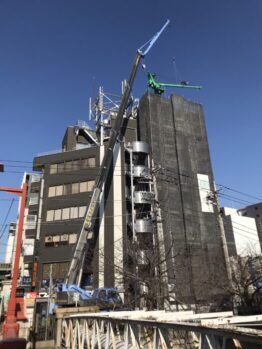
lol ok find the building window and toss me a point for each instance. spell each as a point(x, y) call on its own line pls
point(72, 239)
point(83, 187)
point(72, 188)
point(65, 213)
point(33, 199)
point(91, 162)
point(51, 191)
point(74, 212)
point(82, 211)
point(35, 178)
point(64, 239)
point(67, 189)
point(57, 240)
point(74, 165)
point(59, 190)
point(75, 188)
point(91, 185)
point(49, 241)
point(68, 166)
point(58, 215)
point(53, 168)
point(57, 271)
point(50, 215)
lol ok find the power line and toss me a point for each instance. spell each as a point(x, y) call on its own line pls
point(2, 230)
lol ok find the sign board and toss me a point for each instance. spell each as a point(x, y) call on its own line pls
point(31, 295)
point(26, 280)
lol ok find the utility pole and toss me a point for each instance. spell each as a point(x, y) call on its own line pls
point(10, 326)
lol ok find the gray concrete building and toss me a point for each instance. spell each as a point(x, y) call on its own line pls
point(187, 226)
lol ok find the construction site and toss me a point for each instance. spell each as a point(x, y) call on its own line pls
point(120, 240)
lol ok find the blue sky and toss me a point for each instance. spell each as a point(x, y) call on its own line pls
point(54, 54)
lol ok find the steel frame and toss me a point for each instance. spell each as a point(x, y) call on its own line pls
point(90, 331)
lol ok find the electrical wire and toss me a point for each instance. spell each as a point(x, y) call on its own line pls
point(2, 230)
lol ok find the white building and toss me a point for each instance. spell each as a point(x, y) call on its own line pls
point(241, 234)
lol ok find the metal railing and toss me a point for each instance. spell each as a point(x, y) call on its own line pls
point(152, 330)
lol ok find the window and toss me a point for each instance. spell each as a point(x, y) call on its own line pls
point(68, 166)
point(82, 211)
point(67, 189)
point(66, 213)
point(57, 271)
point(49, 241)
point(83, 187)
point(64, 239)
point(72, 238)
point(60, 167)
point(84, 163)
point(50, 215)
point(56, 240)
point(59, 190)
point(33, 200)
point(35, 178)
point(51, 191)
point(53, 168)
point(58, 215)
point(91, 185)
point(31, 218)
point(74, 212)
point(76, 165)
point(60, 239)
point(75, 188)
point(91, 162)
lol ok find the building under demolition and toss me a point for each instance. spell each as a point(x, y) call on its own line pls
point(187, 225)
point(157, 235)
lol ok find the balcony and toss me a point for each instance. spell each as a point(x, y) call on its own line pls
point(141, 171)
point(143, 197)
point(144, 226)
point(140, 147)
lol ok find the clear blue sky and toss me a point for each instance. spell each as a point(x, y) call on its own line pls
point(55, 53)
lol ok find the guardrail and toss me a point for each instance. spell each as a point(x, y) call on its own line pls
point(154, 330)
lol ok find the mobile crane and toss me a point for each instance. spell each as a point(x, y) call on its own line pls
point(117, 132)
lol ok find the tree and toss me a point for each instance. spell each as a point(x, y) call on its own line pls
point(246, 287)
point(149, 280)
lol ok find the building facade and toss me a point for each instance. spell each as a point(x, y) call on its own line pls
point(187, 225)
point(254, 211)
point(68, 180)
point(241, 234)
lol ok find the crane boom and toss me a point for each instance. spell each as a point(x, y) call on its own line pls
point(74, 274)
point(158, 87)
